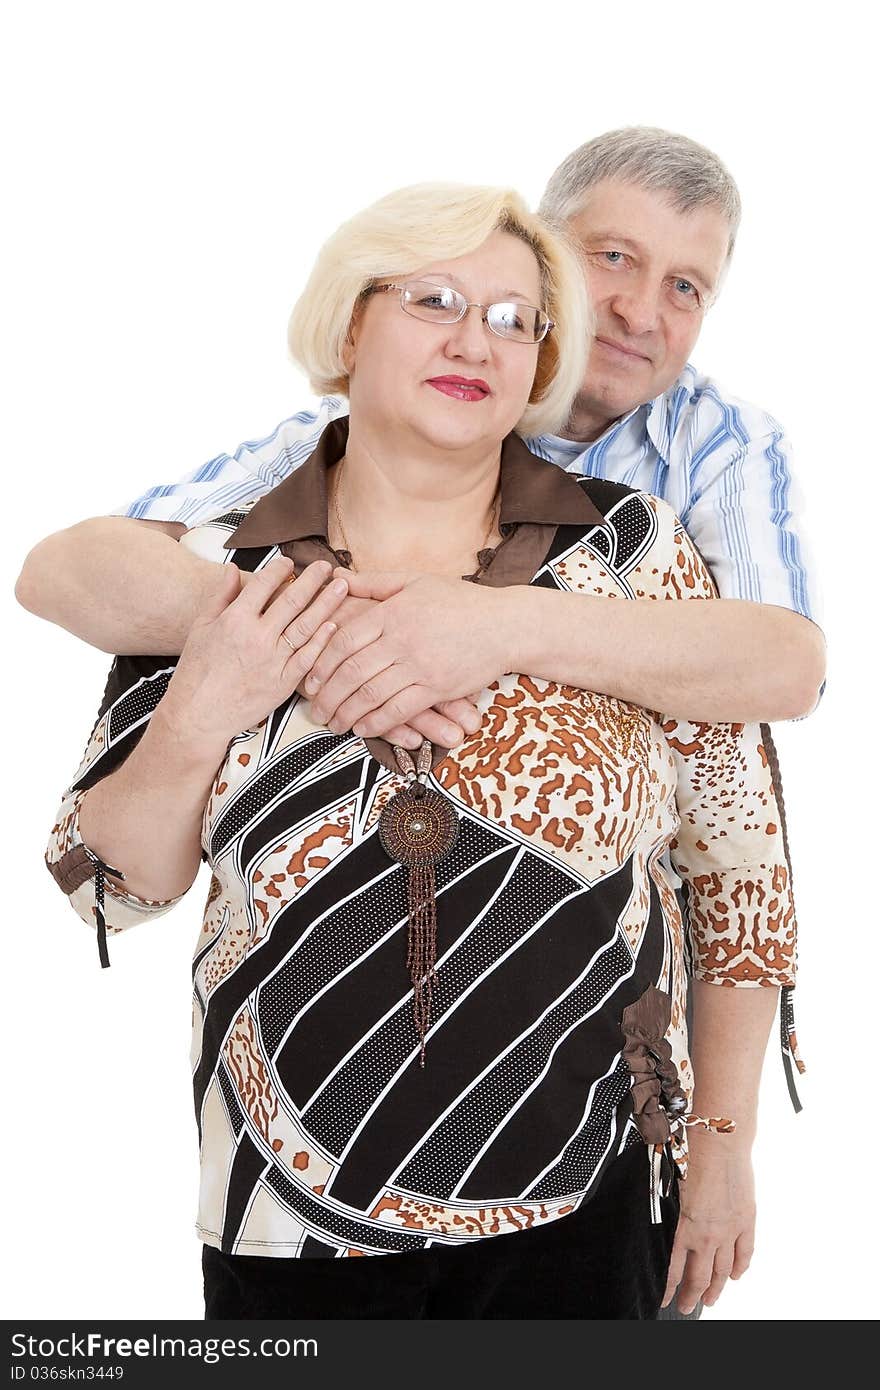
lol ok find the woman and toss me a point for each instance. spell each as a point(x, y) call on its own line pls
point(439, 994)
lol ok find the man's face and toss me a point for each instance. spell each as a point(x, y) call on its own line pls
point(652, 273)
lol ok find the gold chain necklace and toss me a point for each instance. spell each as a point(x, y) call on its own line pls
point(496, 502)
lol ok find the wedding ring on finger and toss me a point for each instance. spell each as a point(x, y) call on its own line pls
point(286, 639)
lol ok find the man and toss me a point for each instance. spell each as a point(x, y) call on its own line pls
point(656, 216)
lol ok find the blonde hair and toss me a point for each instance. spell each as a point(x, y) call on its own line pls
point(425, 222)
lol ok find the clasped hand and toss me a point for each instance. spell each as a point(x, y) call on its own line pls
point(414, 647)
point(390, 655)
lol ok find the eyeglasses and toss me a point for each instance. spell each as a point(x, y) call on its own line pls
point(422, 299)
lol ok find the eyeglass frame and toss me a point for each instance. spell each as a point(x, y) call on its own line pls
point(468, 304)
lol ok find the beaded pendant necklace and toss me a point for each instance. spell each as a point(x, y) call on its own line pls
point(418, 829)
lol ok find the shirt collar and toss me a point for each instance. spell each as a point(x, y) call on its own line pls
point(532, 490)
point(642, 419)
point(664, 413)
point(657, 426)
point(657, 419)
point(651, 419)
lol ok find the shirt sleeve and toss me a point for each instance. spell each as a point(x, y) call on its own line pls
point(730, 848)
point(229, 480)
point(746, 515)
point(134, 688)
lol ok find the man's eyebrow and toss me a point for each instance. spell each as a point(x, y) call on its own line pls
point(617, 237)
point(437, 275)
point(686, 272)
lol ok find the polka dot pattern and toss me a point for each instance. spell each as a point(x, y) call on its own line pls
point(452, 1147)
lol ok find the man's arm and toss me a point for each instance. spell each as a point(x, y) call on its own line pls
point(123, 586)
point(725, 661)
point(117, 581)
point(760, 654)
point(756, 656)
point(126, 586)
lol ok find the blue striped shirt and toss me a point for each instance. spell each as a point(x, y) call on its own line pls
point(722, 464)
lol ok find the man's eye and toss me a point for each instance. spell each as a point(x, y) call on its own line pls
point(685, 288)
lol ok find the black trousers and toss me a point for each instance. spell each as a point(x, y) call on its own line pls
point(605, 1260)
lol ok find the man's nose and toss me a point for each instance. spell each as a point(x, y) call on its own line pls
point(639, 307)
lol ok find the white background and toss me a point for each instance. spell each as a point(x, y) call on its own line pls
point(170, 172)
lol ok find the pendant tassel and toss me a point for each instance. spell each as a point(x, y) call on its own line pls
point(418, 828)
point(422, 945)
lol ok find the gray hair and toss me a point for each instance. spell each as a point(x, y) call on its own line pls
point(656, 159)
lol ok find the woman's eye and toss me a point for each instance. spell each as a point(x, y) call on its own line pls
point(613, 257)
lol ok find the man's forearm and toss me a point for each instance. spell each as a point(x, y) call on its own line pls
point(730, 1031)
point(716, 660)
point(118, 584)
point(126, 588)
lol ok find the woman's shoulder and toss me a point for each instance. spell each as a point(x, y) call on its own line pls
point(641, 543)
point(209, 538)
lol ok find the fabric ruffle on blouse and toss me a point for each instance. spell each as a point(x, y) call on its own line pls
point(660, 1106)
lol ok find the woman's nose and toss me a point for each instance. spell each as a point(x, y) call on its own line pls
point(470, 337)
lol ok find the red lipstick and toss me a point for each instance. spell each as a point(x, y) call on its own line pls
point(461, 388)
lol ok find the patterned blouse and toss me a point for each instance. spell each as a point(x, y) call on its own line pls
point(557, 1035)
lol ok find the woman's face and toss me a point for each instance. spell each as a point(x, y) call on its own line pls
point(400, 366)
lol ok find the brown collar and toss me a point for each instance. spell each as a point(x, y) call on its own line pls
point(536, 497)
point(532, 490)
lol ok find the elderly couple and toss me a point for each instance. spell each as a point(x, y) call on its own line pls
point(449, 1008)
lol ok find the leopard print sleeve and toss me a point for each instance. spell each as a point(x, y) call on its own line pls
point(729, 848)
point(730, 853)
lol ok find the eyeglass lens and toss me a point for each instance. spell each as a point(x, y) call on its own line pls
point(440, 304)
